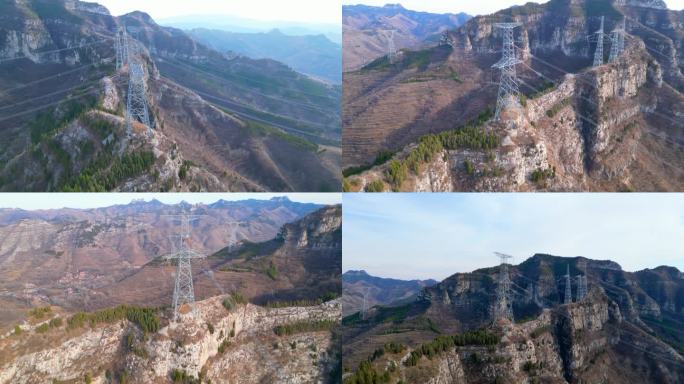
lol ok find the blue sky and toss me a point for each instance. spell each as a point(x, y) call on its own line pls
point(423, 236)
point(95, 200)
point(310, 11)
point(479, 7)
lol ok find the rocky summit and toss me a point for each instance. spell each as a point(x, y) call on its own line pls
point(426, 122)
point(625, 327)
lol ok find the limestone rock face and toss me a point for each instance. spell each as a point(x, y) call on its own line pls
point(252, 352)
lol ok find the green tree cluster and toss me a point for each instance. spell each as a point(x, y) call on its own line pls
point(366, 374)
point(145, 318)
point(107, 171)
point(304, 326)
point(444, 343)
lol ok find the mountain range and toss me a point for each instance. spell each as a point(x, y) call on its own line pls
point(427, 122)
point(86, 259)
point(87, 294)
point(314, 55)
point(364, 40)
point(624, 328)
point(377, 290)
point(220, 122)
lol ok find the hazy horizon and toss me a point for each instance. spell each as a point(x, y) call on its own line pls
point(474, 8)
point(326, 12)
point(423, 236)
point(40, 201)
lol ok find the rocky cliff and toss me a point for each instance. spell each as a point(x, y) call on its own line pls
point(625, 317)
point(576, 128)
point(237, 345)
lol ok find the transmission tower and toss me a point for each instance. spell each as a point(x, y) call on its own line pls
point(119, 50)
point(567, 299)
point(582, 288)
point(598, 36)
point(509, 92)
point(364, 308)
point(503, 307)
point(617, 42)
point(391, 48)
point(136, 105)
point(183, 292)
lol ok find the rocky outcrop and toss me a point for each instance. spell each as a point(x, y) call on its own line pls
point(227, 346)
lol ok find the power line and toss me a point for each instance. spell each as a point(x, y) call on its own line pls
point(580, 79)
point(180, 64)
point(59, 74)
point(55, 51)
point(85, 93)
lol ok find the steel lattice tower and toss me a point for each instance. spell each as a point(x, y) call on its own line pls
point(119, 50)
point(391, 48)
point(617, 42)
point(503, 308)
point(509, 92)
point(582, 288)
point(599, 36)
point(567, 299)
point(183, 292)
point(364, 308)
point(136, 105)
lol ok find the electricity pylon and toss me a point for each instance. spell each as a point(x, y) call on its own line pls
point(503, 308)
point(136, 105)
point(582, 285)
point(183, 292)
point(364, 308)
point(617, 42)
point(598, 36)
point(119, 50)
point(509, 92)
point(391, 48)
point(567, 299)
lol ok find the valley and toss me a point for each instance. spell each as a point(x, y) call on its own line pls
point(219, 122)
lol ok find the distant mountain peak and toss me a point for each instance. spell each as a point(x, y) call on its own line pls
point(281, 199)
point(394, 6)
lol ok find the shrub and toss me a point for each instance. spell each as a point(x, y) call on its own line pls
point(444, 343)
point(375, 186)
point(223, 346)
point(272, 271)
point(210, 327)
point(469, 167)
point(145, 318)
point(17, 330)
point(56, 322)
point(40, 312)
point(540, 175)
point(304, 326)
point(43, 328)
point(396, 173)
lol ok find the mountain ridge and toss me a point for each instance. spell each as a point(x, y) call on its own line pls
point(563, 342)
